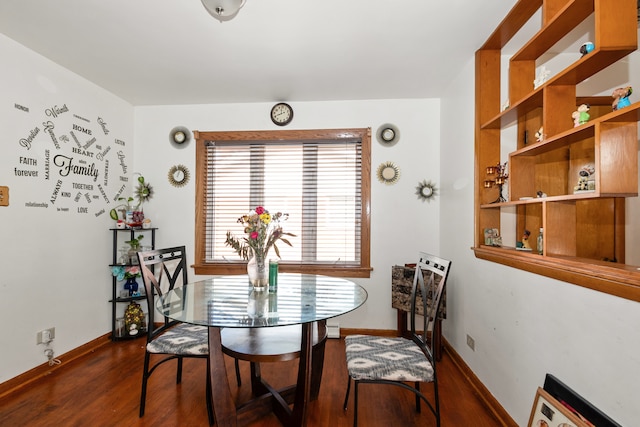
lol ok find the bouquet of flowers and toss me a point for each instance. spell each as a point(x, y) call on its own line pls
point(262, 231)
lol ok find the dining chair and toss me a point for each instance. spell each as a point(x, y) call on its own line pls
point(400, 361)
point(162, 270)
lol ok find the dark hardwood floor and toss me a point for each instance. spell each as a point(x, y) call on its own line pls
point(103, 389)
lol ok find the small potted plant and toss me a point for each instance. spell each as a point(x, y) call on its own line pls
point(133, 214)
point(134, 247)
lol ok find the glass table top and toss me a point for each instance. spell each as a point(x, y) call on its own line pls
point(229, 301)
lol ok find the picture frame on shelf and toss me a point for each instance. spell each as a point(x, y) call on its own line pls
point(492, 237)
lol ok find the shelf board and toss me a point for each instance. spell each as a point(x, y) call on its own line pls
point(587, 130)
point(572, 14)
point(562, 198)
point(589, 65)
point(627, 114)
point(580, 70)
point(616, 279)
point(129, 299)
point(134, 229)
point(562, 139)
point(511, 24)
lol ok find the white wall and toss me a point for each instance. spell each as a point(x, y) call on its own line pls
point(526, 325)
point(54, 259)
point(401, 225)
point(60, 276)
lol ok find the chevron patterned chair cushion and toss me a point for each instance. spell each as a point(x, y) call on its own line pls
point(384, 358)
point(182, 339)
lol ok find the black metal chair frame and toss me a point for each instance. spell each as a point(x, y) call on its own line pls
point(424, 338)
point(149, 261)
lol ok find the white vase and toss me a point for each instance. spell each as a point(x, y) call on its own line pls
point(258, 305)
point(258, 272)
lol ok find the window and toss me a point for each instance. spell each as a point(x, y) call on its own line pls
point(321, 178)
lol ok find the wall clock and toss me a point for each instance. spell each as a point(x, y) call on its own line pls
point(179, 136)
point(281, 114)
point(178, 175)
point(388, 173)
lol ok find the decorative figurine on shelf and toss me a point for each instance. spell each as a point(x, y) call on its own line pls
point(500, 170)
point(492, 237)
point(576, 118)
point(581, 115)
point(621, 97)
point(541, 194)
point(586, 48)
point(134, 319)
point(524, 244)
point(585, 181)
point(540, 135)
point(130, 274)
point(543, 76)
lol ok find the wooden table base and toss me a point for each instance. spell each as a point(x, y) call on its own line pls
point(266, 399)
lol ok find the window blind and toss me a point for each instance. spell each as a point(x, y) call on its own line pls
point(317, 183)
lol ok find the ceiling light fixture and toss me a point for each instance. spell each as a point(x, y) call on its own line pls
point(223, 10)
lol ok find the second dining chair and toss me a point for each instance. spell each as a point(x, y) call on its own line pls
point(399, 361)
point(162, 270)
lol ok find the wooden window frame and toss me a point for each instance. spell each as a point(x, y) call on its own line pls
point(202, 267)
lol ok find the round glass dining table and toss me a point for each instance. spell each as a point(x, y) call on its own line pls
point(230, 302)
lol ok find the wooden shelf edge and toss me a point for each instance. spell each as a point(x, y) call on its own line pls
point(563, 198)
point(571, 75)
point(511, 24)
point(583, 131)
point(573, 13)
point(627, 114)
point(614, 279)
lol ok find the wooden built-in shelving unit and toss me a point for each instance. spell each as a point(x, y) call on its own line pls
point(584, 232)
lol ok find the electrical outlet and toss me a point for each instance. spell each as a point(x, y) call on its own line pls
point(471, 342)
point(46, 336)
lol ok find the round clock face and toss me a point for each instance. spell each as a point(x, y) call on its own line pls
point(281, 114)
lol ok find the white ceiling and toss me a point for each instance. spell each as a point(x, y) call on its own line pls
point(168, 52)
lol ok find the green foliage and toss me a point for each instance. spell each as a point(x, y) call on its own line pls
point(135, 242)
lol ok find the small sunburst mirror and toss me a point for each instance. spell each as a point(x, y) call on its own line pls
point(388, 173)
point(178, 175)
point(179, 136)
point(426, 190)
point(388, 134)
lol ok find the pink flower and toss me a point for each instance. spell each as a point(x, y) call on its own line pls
point(259, 210)
point(254, 235)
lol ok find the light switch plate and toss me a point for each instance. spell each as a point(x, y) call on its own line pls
point(4, 196)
